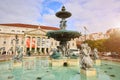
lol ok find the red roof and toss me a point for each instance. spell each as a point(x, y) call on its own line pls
point(30, 26)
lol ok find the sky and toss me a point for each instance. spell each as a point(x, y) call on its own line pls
point(95, 15)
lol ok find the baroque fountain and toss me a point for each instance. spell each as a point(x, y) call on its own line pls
point(63, 36)
point(39, 68)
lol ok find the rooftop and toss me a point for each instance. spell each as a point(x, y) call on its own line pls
point(30, 26)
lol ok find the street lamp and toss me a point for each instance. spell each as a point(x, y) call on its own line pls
point(16, 42)
point(85, 31)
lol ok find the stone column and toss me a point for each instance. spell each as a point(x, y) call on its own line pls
point(45, 51)
point(45, 45)
point(30, 43)
point(40, 43)
point(24, 45)
point(35, 45)
point(40, 50)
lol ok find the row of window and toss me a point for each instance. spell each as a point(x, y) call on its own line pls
point(14, 31)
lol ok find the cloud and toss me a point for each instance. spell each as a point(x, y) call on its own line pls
point(50, 20)
point(20, 11)
point(96, 15)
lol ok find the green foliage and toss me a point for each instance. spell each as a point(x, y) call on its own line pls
point(113, 43)
point(99, 44)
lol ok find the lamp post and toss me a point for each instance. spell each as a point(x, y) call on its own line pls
point(85, 32)
point(16, 42)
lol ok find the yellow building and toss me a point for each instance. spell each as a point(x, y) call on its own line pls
point(28, 37)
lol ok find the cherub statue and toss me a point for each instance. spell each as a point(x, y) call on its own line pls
point(86, 61)
point(95, 53)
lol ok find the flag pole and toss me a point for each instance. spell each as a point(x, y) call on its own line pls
point(85, 32)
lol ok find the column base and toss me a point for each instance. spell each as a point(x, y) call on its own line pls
point(57, 62)
point(17, 64)
point(97, 62)
point(88, 72)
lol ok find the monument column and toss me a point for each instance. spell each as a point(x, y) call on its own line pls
point(35, 44)
point(40, 45)
point(24, 44)
point(30, 43)
point(45, 50)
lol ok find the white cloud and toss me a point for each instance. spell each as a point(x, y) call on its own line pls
point(50, 20)
point(20, 11)
point(96, 15)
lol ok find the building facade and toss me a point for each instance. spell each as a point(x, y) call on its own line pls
point(26, 37)
point(93, 36)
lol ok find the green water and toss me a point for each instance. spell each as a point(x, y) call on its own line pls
point(40, 70)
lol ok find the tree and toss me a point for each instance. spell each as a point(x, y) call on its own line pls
point(97, 44)
point(113, 43)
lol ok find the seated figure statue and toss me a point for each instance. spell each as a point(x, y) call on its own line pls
point(86, 61)
point(95, 53)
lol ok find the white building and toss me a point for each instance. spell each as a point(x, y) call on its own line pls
point(28, 38)
point(93, 36)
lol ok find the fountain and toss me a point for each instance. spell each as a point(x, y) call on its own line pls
point(87, 64)
point(17, 59)
point(39, 68)
point(63, 35)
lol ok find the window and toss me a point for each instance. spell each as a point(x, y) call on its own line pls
point(51, 43)
point(12, 30)
point(56, 43)
point(18, 31)
point(73, 44)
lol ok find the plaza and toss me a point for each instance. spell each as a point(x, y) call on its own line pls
point(41, 52)
point(28, 37)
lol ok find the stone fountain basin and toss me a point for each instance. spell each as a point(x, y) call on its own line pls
point(63, 35)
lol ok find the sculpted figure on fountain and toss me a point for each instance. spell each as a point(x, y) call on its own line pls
point(86, 61)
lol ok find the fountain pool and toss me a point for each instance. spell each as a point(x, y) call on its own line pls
point(40, 69)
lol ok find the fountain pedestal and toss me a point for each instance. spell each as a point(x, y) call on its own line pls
point(83, 77)
point(57, 62)
point(89, 72)
point(97, 62)
point(62, 62)
point(17, 64)
point(73, 62)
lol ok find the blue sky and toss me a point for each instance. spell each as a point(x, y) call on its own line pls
point(96, 15)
